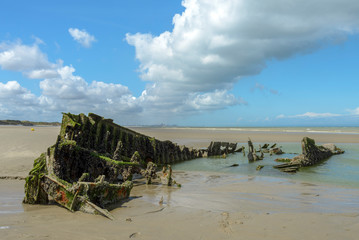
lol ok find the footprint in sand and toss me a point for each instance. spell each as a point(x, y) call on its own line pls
point(225, 223)
point(228, 224)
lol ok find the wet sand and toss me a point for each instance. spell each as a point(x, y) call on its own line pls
point(19, 147)
point(208, 206)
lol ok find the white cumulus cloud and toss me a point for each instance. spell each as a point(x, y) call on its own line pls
point(82, 37)
point(310, 115)
point(192, 67)
point(62, 90)
point(24, 58)
point(317, 115)
point(213, 100)
point(215, 43)
point(354, 111)
point(15, 98)
point(280, 116)
point(72, 93)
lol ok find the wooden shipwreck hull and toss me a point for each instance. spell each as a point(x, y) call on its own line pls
point(311, 155)
point(92, 162)
point(88, 197)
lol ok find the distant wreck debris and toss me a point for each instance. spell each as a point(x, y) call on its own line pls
point(92, 163)
point(276, 151)
point(252, 156)
point(311, 155)
point(259, 167)
point(265, 146)
point(220, 148)
point(252, 152)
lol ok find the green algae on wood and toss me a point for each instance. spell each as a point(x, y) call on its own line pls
point(83, 171)
point(33, 192)
point(311, 155)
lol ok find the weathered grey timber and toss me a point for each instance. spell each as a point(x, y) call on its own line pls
point(150, 172)
point(265, 146)
point(92, 163)
point(276, 151)
point(239, 148)
point(220, 148)
point(311, 155)
point(252, 156)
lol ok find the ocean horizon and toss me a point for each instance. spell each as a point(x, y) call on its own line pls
point(339, 130)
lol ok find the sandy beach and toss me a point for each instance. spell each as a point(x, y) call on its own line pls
point(201, 137)
point(208, 206)
point(19, 147)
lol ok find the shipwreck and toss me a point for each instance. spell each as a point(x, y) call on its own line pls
point(91, 165)
point(311, 155)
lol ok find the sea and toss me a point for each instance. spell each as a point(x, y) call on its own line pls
point(339, 170)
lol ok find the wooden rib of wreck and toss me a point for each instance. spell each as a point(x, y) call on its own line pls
point(252, 156)
point(92, 162)
point(311, 155)
point(220, 148)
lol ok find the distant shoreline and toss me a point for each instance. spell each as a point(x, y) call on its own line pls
point(334, 129)
point(27, 123)
point(201, 137)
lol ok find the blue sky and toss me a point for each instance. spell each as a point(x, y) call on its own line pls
point(190, 63)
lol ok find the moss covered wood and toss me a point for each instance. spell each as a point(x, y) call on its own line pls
point(95, 132)
point(33, 191)
point(84, 151)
